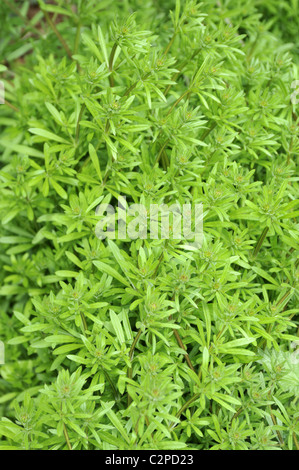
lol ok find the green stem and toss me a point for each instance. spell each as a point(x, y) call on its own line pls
point(83, 321)
point(67, 439)
point(295, 441)
point(219, 334)
point(207, 131)
point(182, 346)
point(106, 177)
point(131, 354)
point(115, 392)
point(111, 59)
point(270, 327)
point(290, 151)
point(57, 33)
point(180, 342)
point(11, 106)
point(277, 431)
point(161, 151)
point(128, 91)
point(77, 38)
point(160, 258)
point(170, 43)
point(250, 53)
point(186, 93)
point(237, 414)
point(165, 160)
point(78, 122)
point(286, 295)
point(180, 69)
point(185, 406)
point(260, 241)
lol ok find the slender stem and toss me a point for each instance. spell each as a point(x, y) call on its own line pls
point(182, 346)
point(85, 327)
point(170, 43)
point(290, 151)
point(78, 122)
point(187, 92)
point(180, 69)
point(68, 443)
point(131, 354)
point(106, 177)
point(165, 160)
point(11, 106)
point(136, 429)
point(57, 33)
point(115, 392)
point(219, 334)
point(128, 91)
point(207, 132)
point(188, 403)
point(173, 78)
point(112, 54)
point(260, 241)
point(237, 413)
point(296, 441)
point(277, 431)
point(270, 327)
point(111, 59)
point(286, 295)
point(250, 53)
point(160, 258)
point(77, 38)
point(161, 151)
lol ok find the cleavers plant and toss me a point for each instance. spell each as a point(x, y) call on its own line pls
point(142, 344)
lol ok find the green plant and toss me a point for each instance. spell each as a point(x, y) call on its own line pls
point(142, 344)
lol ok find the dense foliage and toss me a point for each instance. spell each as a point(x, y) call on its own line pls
point(142, 344)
